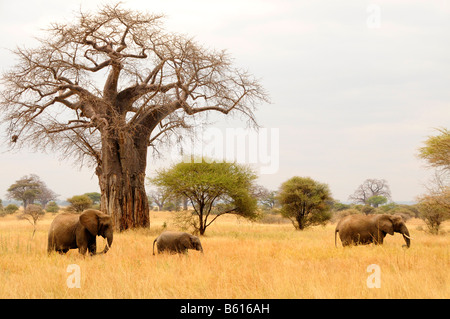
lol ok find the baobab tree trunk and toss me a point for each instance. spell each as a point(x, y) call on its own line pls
point(122, 178)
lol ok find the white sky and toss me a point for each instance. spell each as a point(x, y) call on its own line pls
point(356, 86)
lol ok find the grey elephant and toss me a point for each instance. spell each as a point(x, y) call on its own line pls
point(366, 229)
point(71, 231)
point(176, 242)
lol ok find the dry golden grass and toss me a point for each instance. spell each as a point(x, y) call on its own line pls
point(241, 260)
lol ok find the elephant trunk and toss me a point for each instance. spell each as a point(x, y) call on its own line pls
point(109, 240)
point(406, 237)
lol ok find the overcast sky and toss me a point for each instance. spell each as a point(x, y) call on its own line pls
point(356, 86)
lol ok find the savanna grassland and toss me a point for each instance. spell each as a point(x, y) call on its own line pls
point(240, 260)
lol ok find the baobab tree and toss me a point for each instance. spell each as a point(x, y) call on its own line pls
point(370, 189)
point(103, 89)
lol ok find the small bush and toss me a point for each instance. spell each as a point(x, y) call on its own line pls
point(52, 207)
point(80, 202)
point(10, 209)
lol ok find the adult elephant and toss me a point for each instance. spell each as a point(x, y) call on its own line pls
point(366, 229)
point(176, 242)
point(70, 231)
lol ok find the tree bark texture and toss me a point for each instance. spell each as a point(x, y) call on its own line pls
point(122, 179)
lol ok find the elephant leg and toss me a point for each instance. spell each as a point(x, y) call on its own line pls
point(92, 248)
point(377, 238)
point(358, 239)
point(354, 240)
point(82, 249)
point(344, 240)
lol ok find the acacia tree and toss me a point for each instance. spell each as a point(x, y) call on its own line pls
point(25, 189)
point(437, 150)
point(32, 214)
point(206, 184)
point(29, 189)
point(434, 207)
point(305, 202)
point(108, 86)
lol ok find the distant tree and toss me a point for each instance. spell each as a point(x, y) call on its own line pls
point(434, 210)
point(46, 195)
point(11, 209)
point(370, 188)
point(160, 195)
point(171, 206)
point(377, 200)
point(206, 183)
point(52, 207)
point(367, 209)
point(95, 197)
point(80, 202)
point(2, 212)
point(437, 150)
point(25, 189)
point(338, 206)
point(305, 202)
point(150, 201)
point(32, 214)
point(267, 198)
point(30, 189)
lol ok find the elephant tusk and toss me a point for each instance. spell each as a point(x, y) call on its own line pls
point(107, 247)
point(407, 236)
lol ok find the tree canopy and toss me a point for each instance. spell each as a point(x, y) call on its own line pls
point(437, 150)
point(206, 184)
point(377, 200)
point(305, 202)
point(31, 188)
point(80, 202)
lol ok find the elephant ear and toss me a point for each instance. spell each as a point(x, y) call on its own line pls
point(193, 240)
point(105, 220)
point(186, 241)
point(90, 219)
point(386, 225)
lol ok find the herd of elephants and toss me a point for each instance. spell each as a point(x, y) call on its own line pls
point(72, 231)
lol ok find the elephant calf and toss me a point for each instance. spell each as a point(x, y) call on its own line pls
point(176, 242)
point(366, 229)
point(70, 231)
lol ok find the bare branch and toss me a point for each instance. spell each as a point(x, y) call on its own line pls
point(154, 84)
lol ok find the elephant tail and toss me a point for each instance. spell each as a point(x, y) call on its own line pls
point(51, 246)
point(335, 234)
point(154, 246)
